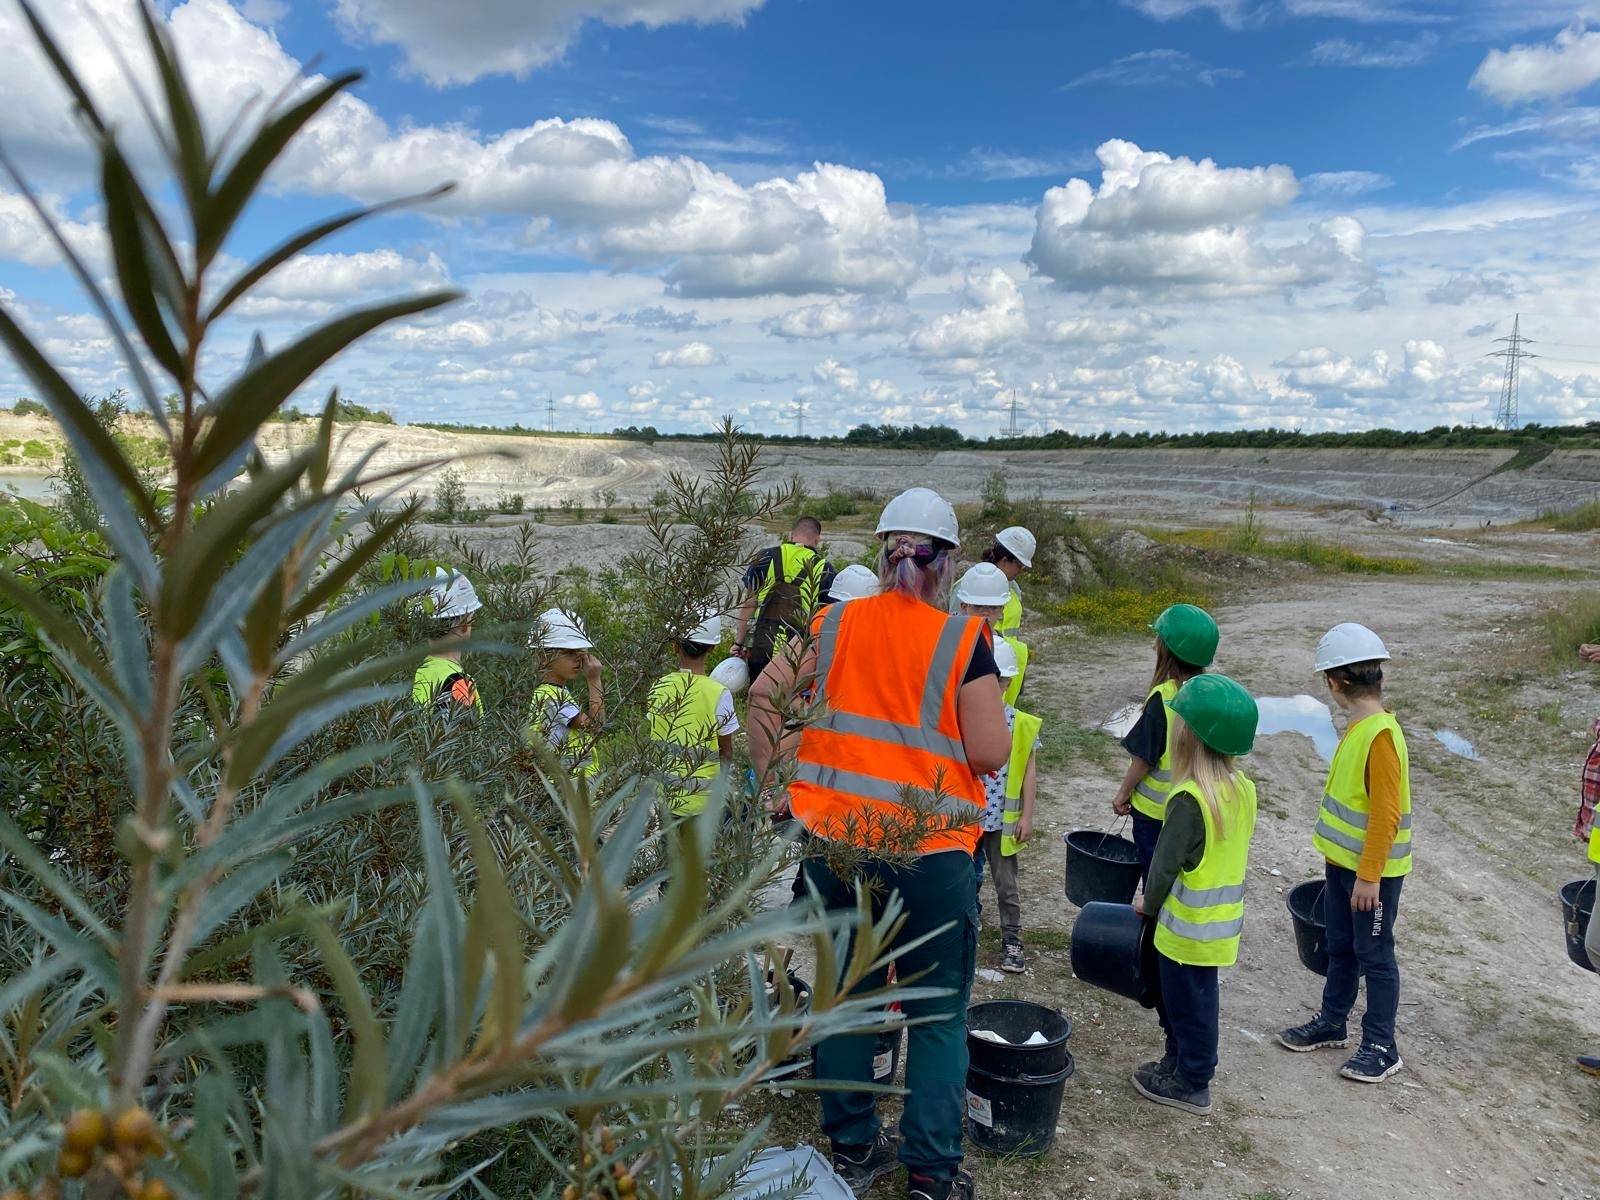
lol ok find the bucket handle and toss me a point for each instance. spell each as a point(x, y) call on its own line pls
point(1116, 826)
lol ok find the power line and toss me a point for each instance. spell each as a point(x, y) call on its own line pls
point(1506, 413)
point(549, 412)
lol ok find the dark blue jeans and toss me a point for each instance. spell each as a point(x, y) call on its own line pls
point(938, 891)
point(1188, 1009)
point(1146, 830)
point(1361, 944)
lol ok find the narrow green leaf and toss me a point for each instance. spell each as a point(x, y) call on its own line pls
point(305, 239)
point(135, 273)
point(63, 68)
point(370, 1067)
point(68, 941)
point(55, 626)
point(502, 927)
point(334, 580)
point(324, 459)
point(87, 434)
point(192, 163)
point(201, 558)
point(223, 206)
point(45, 874)
point(243, 405)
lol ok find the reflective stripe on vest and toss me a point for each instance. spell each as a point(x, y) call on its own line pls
point(1014, 688)
point(888, 669)
point(1150, 795)
point(1024, 736)
point(1341, 831)
point(1203, 915)
point(1011, 615)
point(683, 724)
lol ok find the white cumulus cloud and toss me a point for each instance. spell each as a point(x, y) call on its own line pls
point(1541, 72)
point(1158, 223)
point(834, 317)
point(457, 43)
point(1105, 331)
point(578, 183)
point(690, 354)
point(993, 314)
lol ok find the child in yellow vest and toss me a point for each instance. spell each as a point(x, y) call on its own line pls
point(1186, 644)
point(554, 715)
point(1007, 820)
point(1588, 828)
point(440, 683)
point(1012, 553)
point(1364, 832)
point(692, 719)
point(983, 591)
point(1195, 890)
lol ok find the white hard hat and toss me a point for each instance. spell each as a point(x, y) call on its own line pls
point(1349, 643)
point(708, 632)
point(854, 582)
point(1005, 657)
point(557, 630)
point(732, 673)
point(984, 585)
point(454, 597)
point(1020, 542)
point(920, 510)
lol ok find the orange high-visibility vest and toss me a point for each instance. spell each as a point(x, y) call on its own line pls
point(888, 671)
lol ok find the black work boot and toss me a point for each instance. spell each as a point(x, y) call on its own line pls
point(1166, 1088)
point(1589, 1063)
point(1164, 1065)
point(862, 1166)
point(920, 1187)
point(1315, 1034)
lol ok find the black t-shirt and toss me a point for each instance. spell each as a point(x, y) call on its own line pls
point(982, 662)
point(1148, 737)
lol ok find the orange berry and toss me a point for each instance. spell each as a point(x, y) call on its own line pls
point(625, 1185)
point(155, 1189)
point(134, 1129)
point(86, 1130)
point(74, 1163)
point(571, 1192)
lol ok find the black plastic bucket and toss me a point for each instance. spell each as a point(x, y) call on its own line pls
point(886, 1055)
point(1310, 930)
point(1577, 909)
point(1101, 866)
point(1015, 1115)
point(1017, 1021)
point(1106, 950)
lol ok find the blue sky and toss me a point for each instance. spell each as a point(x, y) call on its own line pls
point(1163, 214)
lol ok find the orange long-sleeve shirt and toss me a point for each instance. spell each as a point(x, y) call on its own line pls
point(1383, 816)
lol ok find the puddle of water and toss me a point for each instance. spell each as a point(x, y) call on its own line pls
point(1456, 744)
point(1120, 722)
point(1299, 714)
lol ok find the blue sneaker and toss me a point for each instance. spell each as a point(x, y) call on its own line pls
point(1372, 1063)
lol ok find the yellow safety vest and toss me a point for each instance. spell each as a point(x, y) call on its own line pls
point(1014, 688)
point(1341, 831)
point(428, 687)
point(1011, 615)
point(1024, 736)
point(1150, 797)
point(1203, 914)
point(683, 721)
point(1594, 843)
point(547, 701)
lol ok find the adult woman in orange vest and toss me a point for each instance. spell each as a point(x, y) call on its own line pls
point(912, 719)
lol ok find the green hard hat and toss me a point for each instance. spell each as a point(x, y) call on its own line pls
point(1189, 632)
point(1222, 714)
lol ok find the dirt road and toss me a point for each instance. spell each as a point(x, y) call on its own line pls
point(1489, 1104)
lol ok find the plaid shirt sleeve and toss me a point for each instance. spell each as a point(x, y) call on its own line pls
point(1590, 792)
